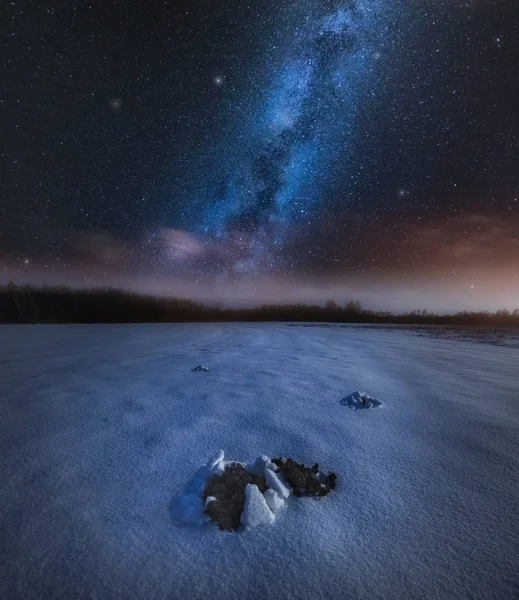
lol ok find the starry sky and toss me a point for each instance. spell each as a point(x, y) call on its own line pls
point(244, 152)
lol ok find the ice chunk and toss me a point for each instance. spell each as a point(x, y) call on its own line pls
point(274, 482)
point(256, 511)
point(215, 459)
point(200, 368)
point(219, 468)
point(260, 464)
point(273, 499)
point(214, 465)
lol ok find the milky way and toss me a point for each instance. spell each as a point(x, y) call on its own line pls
point(273, 150)
point(306, 119)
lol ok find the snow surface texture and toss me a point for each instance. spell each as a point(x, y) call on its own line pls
point(500, 336)
point(102, 425)
point(359, 400)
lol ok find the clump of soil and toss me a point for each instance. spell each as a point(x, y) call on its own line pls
point(305, 481)
point(224, 494)
point(229, 491)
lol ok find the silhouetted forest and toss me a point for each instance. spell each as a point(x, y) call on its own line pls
point(29, 304)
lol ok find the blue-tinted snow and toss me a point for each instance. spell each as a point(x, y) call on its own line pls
point(101, 426)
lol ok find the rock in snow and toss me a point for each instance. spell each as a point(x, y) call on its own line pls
point(360, 400)
point(274, 482)
point(256, 511)
point(265, 492)
point(200, 368)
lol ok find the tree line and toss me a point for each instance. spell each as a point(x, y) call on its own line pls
point(30, 304)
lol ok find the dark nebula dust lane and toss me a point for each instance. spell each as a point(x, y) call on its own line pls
point(306, 119)
point(273, 151)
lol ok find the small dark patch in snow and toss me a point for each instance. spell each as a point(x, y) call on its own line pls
point(359, 400)
point(228, 491)
point(38, 475)
point(151, 440)
point(305, 481)
point(200, 368)
point(133, 407)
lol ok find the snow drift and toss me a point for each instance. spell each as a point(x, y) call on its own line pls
point(359, 400)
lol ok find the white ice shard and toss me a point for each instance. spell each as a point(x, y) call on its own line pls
point(274, 482)
point(213, 466)
point(256, 511)
point(273, 499)
point(215, 460)
point(260, 464)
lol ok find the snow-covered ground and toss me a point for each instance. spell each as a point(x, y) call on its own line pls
point(102, 426)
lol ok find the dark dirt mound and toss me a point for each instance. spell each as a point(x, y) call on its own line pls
point(229, 488)
point(229, 491)
point(305, 481)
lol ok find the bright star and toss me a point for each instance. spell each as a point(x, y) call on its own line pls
point(116, 104)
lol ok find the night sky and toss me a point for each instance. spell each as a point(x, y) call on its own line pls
point(265, 150)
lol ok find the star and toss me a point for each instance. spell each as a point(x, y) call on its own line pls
point(116, 104)
point(218, 80)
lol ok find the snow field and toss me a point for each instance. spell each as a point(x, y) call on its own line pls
point(101, 426)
